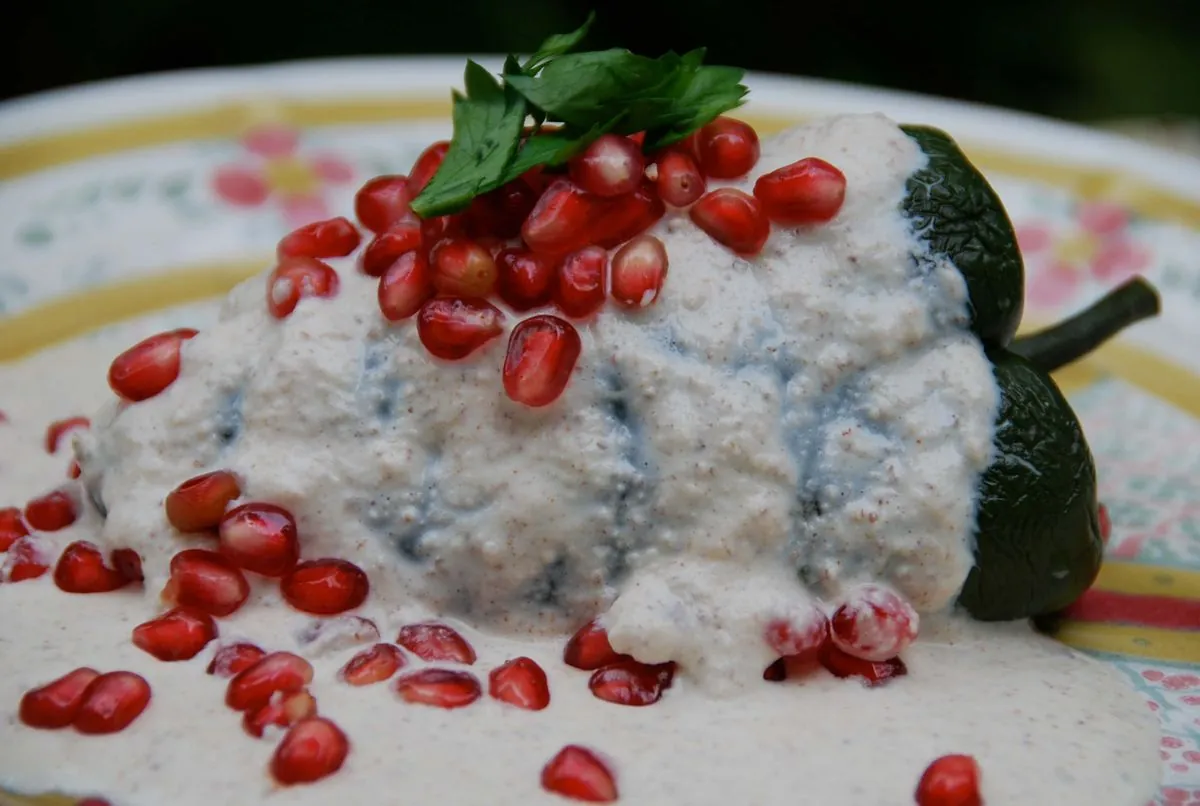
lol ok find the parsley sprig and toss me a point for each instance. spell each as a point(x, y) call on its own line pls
point(584, 95)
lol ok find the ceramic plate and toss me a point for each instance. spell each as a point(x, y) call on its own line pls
point(122, 201)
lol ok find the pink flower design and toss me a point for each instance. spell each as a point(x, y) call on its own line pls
point(1099, 248)
point(1179, 682)
point(277, 169)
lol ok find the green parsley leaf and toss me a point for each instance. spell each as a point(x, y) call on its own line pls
point(556, 45)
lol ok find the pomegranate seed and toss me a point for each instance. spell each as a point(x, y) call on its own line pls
point(559, 221)
point(382, 201)
point(1104, 519)
point(74, 471)
point(520, 682)
point(439, 227)
point(629, 682)
point(589, 648)
point(296, 278)
point(282, 713)
point(405, 286)
point(234, 659)
point(426, 166)
point(524, 280)
point(112, 702)
point(25, 560)
point(81, 569)
point(625, 217)
point(260, 538)
point(206, 581)
point(776, 672)
point(12, 527)
point(441, 688)
point(372, 665)
point(541, 356)
point(389, 246)
point(51, 512)
point(579, 774)
point(789, 637)
point(128, 564)
point(55, 704)
point(581, 279)
point(873, 624)
point(253, 687)
point(733, 219)
point(680, 182)
point(431, 642)
point(59, 428)
point(336, 237)
point(810, 191)
point(639, 269)
point(611, 166)
point(326, 635)
point(452, 328)
point(951, 780)
point(500, 213)
point(199, 503)
point(178, 634)
point(325, 587)
point(792, 666)
point(726, 148)
point(312, 749)
point(873, 673)
point(148, 367)
point(463, 268)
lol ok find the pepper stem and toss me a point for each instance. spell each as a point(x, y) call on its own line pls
point(1073, 338)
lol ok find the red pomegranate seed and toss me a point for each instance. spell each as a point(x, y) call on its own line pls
point(441, 688)
point(25, 560)
point(791, 637)
point(524, 279)
point(199, 503)
point(382, 201)
point(439, 227)
point(55, 704)
point(541, 356)
point(206, 581)
point(296, 278)
point(619, 219)
point(12, 527)
point(579, 774)
point(59, 428)
point(559, 222)
point(312, 749)
point(501, 212)
point(680, 182)
point(610, 166)
point(733, 219)
point(178, 634)
point(432, 642)
point(148, 367)
point(128, 564)
point(873, 624)
point(520, 682)
point(452, 328)
point(726, 148)
point(951, 780)
point(810, 191)
point(234, 659)
point(112, 702)
point(405, 286)
point(873, 673)
point(51, 512)
point(336, 237)
point(282, 713)
point(398, 240)
point(581, 279)
point(463, 268)
point(1105, 522)
point(74, 471)
point(629, 682)
point(325, 587)
point(639, 269)
point(260, 538)
point(589, 648)
point(426, 166)
point(372, 665)
point(81, 569)
point(253, 687)
point(776, 672)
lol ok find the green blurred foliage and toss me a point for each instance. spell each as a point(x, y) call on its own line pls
point(1080, 60)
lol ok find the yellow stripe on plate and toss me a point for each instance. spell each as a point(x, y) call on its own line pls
point(1178, 646)
point(1149, 580)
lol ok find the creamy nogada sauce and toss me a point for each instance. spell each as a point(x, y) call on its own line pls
point(770, 432)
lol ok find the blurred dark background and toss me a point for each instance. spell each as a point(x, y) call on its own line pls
point(1068, 58)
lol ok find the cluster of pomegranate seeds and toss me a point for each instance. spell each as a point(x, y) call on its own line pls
point(520, 682)
point(433, 642)
point(312, 749)
point(148, 367)
point(616, 678)
point(580, 774)
point(59, 428)
point(295, 278)
point(199, 504)
point(179, 634)
point(325, 587)
point(441, 688)
point(51, 512)
point(81, 568)
point(91, 702)
point(873, 624)
point(373, 665)
point(951, 780)
point(12, 527)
